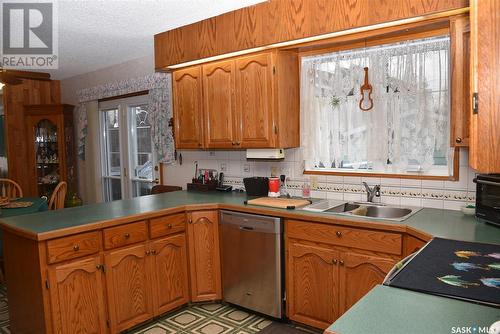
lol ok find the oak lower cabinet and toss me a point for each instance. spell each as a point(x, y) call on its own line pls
point(129, 286)
point(358, 274)
point(312, 289)
point(204, 255)
point(170, 273)
point(326, 273)
point(77, 297)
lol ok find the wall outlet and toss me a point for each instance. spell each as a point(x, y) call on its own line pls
point(223, 167)
point(246, 168)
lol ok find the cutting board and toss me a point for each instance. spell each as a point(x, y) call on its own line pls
point(280, 203)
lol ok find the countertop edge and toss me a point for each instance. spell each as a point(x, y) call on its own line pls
point(337, 220)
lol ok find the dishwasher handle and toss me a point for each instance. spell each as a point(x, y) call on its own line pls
point(246, 228)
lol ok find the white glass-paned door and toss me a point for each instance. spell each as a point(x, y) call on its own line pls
point(128, 159)
point(112, 155)
point(141, 151)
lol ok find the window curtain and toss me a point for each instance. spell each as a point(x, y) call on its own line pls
point(408, 128)
point(159, 87)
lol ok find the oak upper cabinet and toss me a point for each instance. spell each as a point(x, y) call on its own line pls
point(485, 65)
point(312, 279)
point(170, 273)
point(248, 102)
point(460, 85)
point(255, 101)
point(188, 109)
point(219, 104)
point(77, 297)
point(358, 274)
point(129, 286)
point(204, 255)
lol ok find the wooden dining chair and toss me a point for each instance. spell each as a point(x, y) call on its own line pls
point(56, 201)
point(10, 188)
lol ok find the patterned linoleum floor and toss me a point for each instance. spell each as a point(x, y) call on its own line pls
point(210, 318)
point(206, 319)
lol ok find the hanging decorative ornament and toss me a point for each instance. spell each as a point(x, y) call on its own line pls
point(366, 102)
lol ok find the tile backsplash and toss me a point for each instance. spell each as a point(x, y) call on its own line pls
point(423, 193)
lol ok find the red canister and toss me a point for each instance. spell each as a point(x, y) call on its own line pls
point(274, 187)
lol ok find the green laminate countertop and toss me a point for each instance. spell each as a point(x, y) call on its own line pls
point(387, 310)
point(434, 222)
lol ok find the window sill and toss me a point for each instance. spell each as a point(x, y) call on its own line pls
point(453, 177)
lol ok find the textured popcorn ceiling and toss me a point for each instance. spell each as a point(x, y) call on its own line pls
point(97, 34)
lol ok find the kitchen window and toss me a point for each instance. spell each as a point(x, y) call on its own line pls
point(405, 132)
point(128, 157)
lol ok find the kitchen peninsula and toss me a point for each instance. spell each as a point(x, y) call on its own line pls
point(95, 254)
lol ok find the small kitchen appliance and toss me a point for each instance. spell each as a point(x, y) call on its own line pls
point(256, 186)
point(488, 198)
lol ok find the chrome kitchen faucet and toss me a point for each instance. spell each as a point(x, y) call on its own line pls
point(371, 192)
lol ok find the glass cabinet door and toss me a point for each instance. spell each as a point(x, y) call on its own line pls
point(47, 156)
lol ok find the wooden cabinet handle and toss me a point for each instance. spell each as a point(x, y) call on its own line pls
point(334, 261)
point(341, 262)
point(126, 235)
point(233, 143)
point(153, 251)
point(339, 234)
point(169, 226)
point(238, 143)
point(76, 248)
point(458, 140)
point(190, 221)
point(148, 252)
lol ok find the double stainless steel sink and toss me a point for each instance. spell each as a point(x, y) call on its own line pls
point(363, 209)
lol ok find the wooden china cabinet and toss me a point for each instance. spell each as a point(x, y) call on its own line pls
point(51, 147)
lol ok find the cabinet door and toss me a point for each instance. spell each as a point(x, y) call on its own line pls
point(460, 85)
point(128, 281)
point(485, 124)
point(77, 297)
point(255, 101)
point(171, 277)
point(359, 273)
point(312, 273)
point(204, 256)
point(218, 103)
point(188, 112)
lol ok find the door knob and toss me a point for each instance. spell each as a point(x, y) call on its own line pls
point(126, 235)
point(169, 226)
point(334, 261)
point(76, 248)
point(341, 262)
point(458, 140)
point(339, 234)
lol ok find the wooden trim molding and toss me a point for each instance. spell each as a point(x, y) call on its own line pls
point(453, 177)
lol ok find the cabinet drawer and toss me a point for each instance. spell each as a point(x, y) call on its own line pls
point(125, 235)
point(378, 241)
point(72, 247)
point(167, 225)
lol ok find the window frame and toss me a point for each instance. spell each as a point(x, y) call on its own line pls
point(386, 36)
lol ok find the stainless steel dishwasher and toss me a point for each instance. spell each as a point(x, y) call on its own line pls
point(252, 262)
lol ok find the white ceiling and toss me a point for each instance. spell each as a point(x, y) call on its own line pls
point(96, 34)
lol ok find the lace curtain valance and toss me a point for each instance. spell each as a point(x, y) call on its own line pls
point(408, 128)
point(159, 106)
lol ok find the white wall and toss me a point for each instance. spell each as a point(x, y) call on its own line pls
point(87, 189)
point(426, 193)
point(127, 70)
